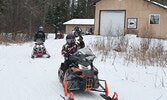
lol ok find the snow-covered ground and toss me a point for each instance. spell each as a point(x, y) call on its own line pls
point(23, 78)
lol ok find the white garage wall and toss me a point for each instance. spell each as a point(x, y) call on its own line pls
point(112, 22)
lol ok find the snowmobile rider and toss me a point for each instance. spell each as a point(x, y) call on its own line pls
point(70, 48)
point(56, 30)
point(40, 35)
point(78, 29)
point(81, 42)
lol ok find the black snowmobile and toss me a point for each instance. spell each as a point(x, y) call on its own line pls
point(39, 50)
point(82, 75)
point(59, 35)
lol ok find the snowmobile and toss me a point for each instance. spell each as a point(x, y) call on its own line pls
point(59, 35)
point(83, 75)
point(39, 50)
point(90, 31)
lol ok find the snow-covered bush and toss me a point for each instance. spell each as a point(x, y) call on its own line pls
point(6, 38)
point(148, 53)
point(144, 51)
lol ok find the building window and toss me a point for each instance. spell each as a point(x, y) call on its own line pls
point(154, 19)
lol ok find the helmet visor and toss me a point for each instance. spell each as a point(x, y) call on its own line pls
point(70, 40)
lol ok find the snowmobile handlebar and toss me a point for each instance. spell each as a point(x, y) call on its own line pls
point(72, 58)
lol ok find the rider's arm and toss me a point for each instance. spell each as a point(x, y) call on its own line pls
point(64, 50)
point(35, 37)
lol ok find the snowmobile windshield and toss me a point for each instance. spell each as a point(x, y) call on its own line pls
point(86, 53)
point(39, 42)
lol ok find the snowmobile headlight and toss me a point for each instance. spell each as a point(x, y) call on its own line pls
point(41, 46)
point(89, 67)
point(81, 66)
point(37, 46)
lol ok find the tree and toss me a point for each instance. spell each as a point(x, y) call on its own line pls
point(83, 9)
point(58, 14)
point(2, 9)
point(80, 9)
point(2, 6)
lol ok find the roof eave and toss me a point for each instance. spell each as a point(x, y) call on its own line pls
point(157, 4)
point(80, 24)
point(94, 3)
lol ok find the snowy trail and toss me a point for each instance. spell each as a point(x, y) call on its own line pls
point(23, 78)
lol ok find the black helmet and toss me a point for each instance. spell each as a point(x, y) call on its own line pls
point(70, 36)
point(70, 39)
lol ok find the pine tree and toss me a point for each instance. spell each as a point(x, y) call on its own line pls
point(83, 9)
point(2, 7)
point(80, 11)
point(58, 14)
point(50, 16)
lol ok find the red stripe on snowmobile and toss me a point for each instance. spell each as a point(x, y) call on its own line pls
point(106, 87)
point(32, 54)
point(40, 54)
point(65, 88)
point(83, 75)
point(48, 54)
point(75, 69)
point(115, 96)
point(71, 97)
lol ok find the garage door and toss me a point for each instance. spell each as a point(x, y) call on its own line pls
point(112, 22)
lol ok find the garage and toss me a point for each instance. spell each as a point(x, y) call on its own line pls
point(143, 18)
point(112, 22)
point(84, 24)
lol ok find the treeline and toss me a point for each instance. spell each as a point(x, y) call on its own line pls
point(26, 16)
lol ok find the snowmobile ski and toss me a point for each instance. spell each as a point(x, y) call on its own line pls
point(71, 97)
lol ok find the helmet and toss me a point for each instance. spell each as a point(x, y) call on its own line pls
point(40, 28)
point(70, 39)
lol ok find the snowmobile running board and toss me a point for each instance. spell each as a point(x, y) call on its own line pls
point(105, 96)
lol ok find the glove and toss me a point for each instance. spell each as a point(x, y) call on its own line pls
point(66, 55)
point(80, 39)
